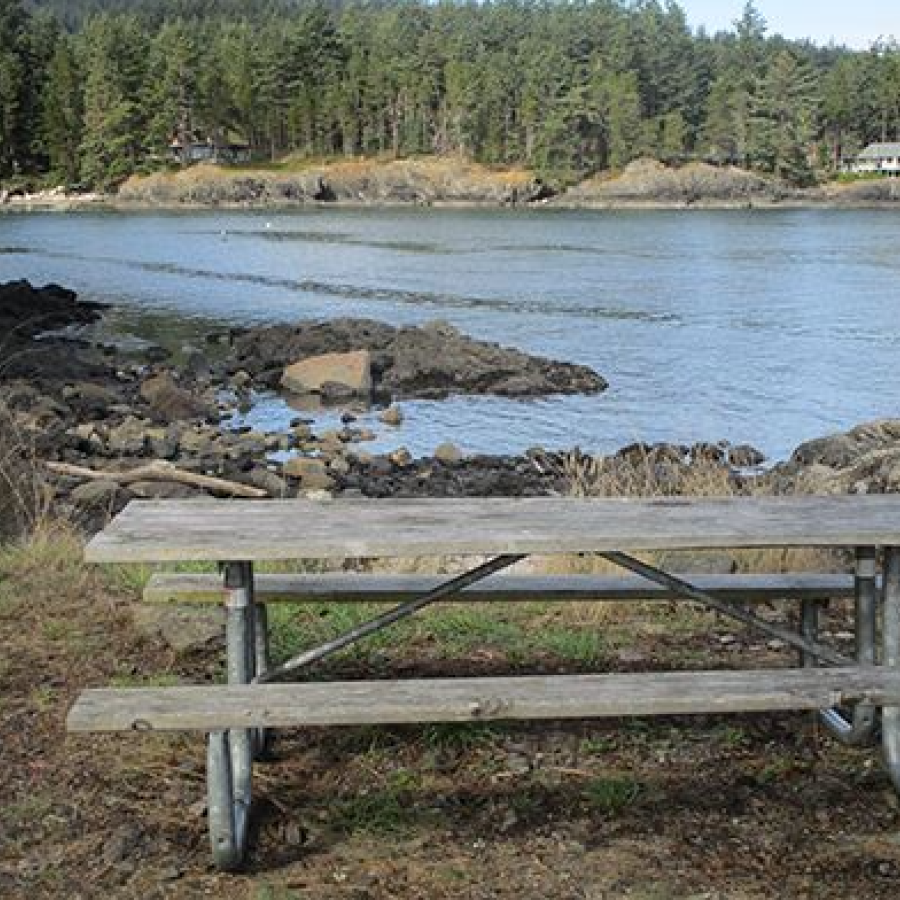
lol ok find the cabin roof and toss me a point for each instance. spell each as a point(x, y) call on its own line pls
point(881, 151)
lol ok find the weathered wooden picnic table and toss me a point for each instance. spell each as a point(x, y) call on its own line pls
point(856, 696)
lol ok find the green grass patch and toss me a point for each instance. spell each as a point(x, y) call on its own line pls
point(390, 809)
point(163, 679)
point(611, 795)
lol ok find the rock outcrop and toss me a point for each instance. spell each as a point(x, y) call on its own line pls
point(424, 181)
point(429, 361)
point(651, 182)
point(865, 459)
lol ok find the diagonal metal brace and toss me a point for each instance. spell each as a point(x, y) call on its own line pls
point(733, 611)
point(403, 611)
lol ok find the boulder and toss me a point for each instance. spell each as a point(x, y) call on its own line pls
point(392, 416)
point(171, 402)
point(312, 473)
point(268, 481)
point(401, 457)
point(335, 375)
point(97, 494)
point(745, 456)
point(448, 453)
point(89, 399)
point(842, 450)
point(129, 438)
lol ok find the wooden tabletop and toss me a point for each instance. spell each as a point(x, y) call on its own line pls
point(171, 530)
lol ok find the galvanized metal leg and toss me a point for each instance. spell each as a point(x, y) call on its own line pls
point(860, 728)
point(230, 754)
point(264, 738)
point(229, 795)
point(809, 628)
point(890, 715)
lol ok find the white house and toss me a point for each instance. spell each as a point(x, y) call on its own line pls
point(882, 159)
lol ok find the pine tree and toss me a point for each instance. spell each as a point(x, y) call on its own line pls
point(13, 124)
point(783, 118)
point(63, 113)
point(113, 135)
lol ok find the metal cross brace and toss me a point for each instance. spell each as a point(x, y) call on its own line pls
point(686, 589)
point(402, 611)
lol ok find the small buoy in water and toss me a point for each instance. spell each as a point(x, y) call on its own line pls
point(268, 224)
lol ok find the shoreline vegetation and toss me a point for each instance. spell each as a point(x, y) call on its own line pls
point(456, 183)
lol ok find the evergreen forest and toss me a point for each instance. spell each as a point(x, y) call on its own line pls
point(92, 91)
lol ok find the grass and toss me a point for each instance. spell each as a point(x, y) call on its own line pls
point(439, 810)
point(25, 496)
point(390, 809)
point(611, 795)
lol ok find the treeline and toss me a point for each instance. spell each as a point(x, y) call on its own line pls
point(94, 90)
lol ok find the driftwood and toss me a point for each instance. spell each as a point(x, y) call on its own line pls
point(161, 471)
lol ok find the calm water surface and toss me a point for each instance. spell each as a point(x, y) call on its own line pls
point(765, 327)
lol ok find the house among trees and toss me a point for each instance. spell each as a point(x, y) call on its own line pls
point(187, 148)
point(881, 159)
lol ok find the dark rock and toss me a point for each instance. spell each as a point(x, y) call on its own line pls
point(89, 399)
point(128, 438)
point(171, 403)
point(429, 361)
point(335, 393)
point(842, 450)
point(273, 484)
point(102, 494)
point(745, 456)
point(707, 452)
point(26, 313)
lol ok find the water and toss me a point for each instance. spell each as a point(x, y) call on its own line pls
point(762, 327)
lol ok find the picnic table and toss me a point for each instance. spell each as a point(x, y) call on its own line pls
point(857, 696)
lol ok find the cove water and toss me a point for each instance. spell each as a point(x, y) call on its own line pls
point(765, 327)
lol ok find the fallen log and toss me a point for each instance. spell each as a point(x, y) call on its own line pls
point(161, 471)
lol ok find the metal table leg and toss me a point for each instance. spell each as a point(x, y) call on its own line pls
point(890, 715)
point(230, 754)
point(859, 729)
point(263, 738)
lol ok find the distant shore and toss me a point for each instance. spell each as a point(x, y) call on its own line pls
point(453, 183)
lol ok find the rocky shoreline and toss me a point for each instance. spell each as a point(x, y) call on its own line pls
point(99, 426)
point(643, 184)
point(78, 406)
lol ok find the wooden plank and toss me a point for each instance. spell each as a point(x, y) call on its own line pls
point(148, 531)
point(477, 699)
point(340, 588)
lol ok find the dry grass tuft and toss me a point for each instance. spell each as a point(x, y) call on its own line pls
point(663, 471)
point(642, 471)
point(25, 495)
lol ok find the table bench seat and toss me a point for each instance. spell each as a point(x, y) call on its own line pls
point(218, 708)
point(340, 588)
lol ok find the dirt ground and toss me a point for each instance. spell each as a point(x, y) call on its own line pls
point(719, 807)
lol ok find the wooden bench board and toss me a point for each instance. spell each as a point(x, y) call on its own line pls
point(217, 708)
point(159, 531)
point(350, 588)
